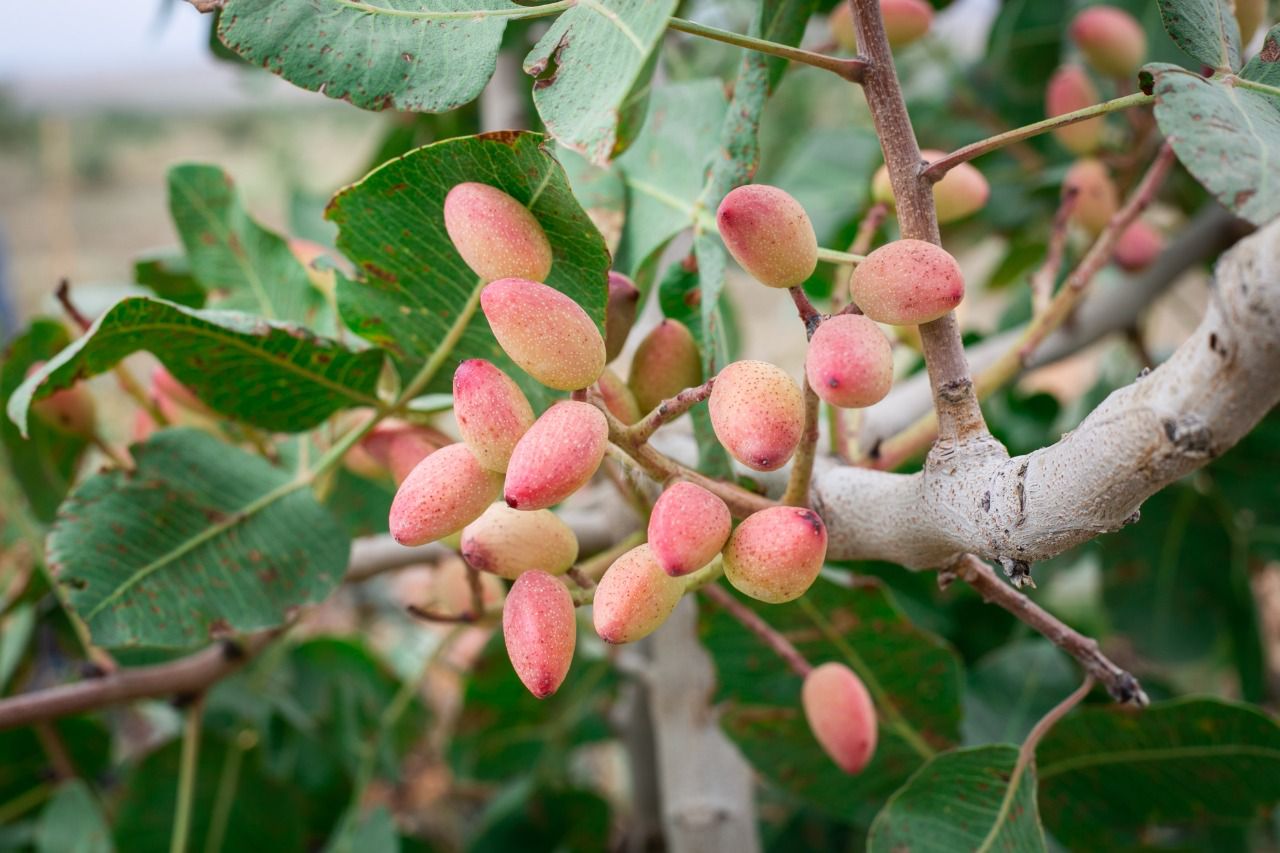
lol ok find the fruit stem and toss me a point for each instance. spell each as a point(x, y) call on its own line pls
point(835, 256)
point(797, 493)
point(852, 70)
point(667, 411)
point(748, 618)
point(935, 170)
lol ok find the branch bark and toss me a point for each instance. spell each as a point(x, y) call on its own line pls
point(1186, 412)
point(959, 417)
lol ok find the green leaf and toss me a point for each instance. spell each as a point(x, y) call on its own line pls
point(244, 266)
point(24, 764)
point(73, 822)
point(263, 812)
point(45, 462)
point(200, 539)
point(853, 153)
point(665, 170)
point(592, 64)
point(1227, 136)
point(168, 274)
point(1265, 67)
point(961, 800)
point(1189, 762)
point(601, 192)
point(417, 291)
point(360, 505)
point(1023, 49)
point(913, 677)
point(1205, 29)
point(504, 731)
point(16, 628)
point(374, 832)
point(1011, 688)
point(273, 375)
point(400, 54)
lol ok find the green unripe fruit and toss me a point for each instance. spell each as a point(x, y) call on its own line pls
point(1070, 89)
point(70, 410)
point(769, 235)
point(687, 528)
point(495, 234)
point(539, 630)
point(962, 191)
point(1097, 198)
point(841, 715)
point(618, 398)
point(545, 332)
point(666, 362)
point(634, 597)
point(1111, 40)
point(557, 456)
point(491, 410)
point(850, 362)
point(619, 314)
point(508, 542)
point(757, 412)
point(907, 282)
point(776, 553)
point(445, 492)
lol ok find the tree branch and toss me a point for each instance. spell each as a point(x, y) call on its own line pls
point(958, 414)
point(767, 634)
point(1185, 413)
point(850, 69)
point(1122, 686)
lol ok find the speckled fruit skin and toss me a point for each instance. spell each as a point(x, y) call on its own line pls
point(1070, 89)
point(557, 456)
point(687, 528)
point(905, 21)
point(907, 282)
point(634, 597)
point(495, 234)
point(757, 412)
point(666, 362)
point(1097, 199)
point(841, 715)
point(962, 192)
point(540, 633)
point(545, 332)
point(776, 553)
point(508, 542)
point(1138, 246)
point(491, 410)
point(618, 398)
point(444, 492)
point(850, 362)
point(769, 234)
point(1111, 40)
point(70, 410)
point(619, 313)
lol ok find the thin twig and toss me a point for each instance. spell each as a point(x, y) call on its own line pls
point(850, 69)
point(935, 170)
point(668, 410)
point(581, 578)
point(809, 315)
point(187, 776)
point(476, 585)
point(777, 643)
point(1119, 683)
point(841, 299)
point(1044, 278)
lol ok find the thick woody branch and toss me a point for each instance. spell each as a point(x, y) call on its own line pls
point(959, 417)
point(1119, 683)
point(1182, 415)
